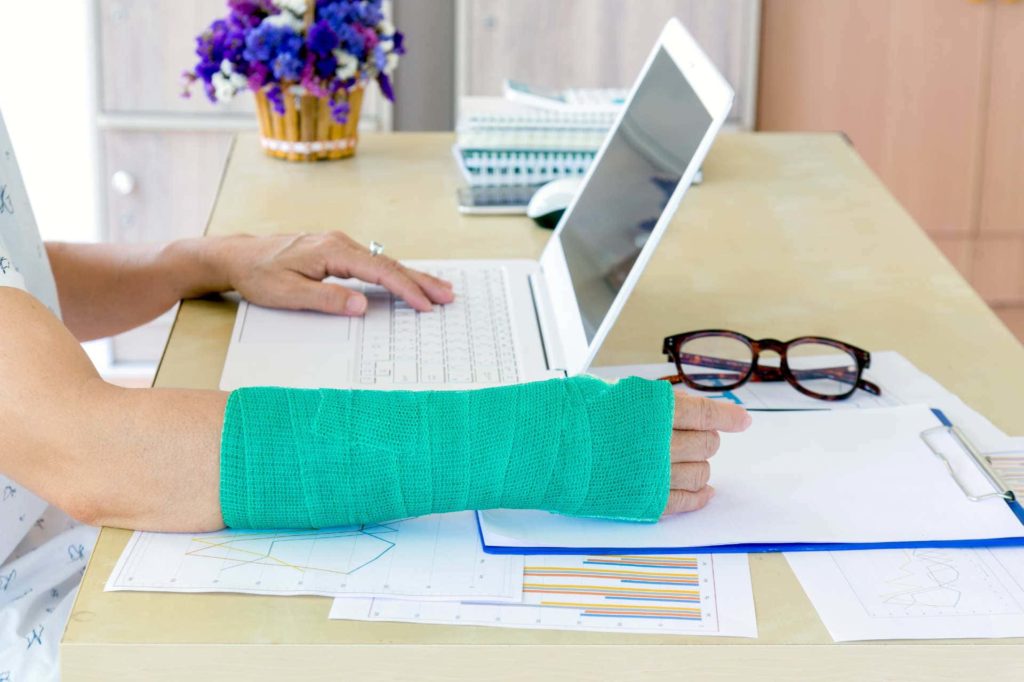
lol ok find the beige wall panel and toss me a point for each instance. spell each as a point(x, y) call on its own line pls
point(1002, 207)
point(958, 250)
point(903, 79)
point(145, 46)
point(998, 271)
point(597, 43)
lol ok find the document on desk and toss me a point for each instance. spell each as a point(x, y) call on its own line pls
point(934, 593)
point(931, 593)
point(842, 476)
point(431, 557)
point(701, 594)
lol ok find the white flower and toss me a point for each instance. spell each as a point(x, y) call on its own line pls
point(386, 28)
point(391, 63)
point(224, 90)
point(387, 45)
point(286, 19)
point(229, 76)
point(294, 6)
point(348, 65)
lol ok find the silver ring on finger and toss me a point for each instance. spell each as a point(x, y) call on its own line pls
point(376, 248)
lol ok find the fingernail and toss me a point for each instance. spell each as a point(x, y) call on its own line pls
point(355, 305)
point(747, 419)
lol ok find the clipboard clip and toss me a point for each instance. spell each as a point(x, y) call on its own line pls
point(979, 458)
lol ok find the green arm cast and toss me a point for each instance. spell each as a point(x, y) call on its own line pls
point(318, 458)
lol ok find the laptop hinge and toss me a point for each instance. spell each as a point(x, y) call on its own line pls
point(554, 357)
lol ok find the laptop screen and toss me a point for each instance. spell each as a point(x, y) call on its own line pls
point(630, 186)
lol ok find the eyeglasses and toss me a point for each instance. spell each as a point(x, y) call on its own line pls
point(719, 360)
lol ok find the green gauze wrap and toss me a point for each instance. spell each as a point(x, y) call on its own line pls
point(317, 458)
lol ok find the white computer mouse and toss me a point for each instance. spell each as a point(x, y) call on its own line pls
point(550, 201)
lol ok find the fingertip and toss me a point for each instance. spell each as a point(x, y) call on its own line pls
point(356, 304)
point(740, 419)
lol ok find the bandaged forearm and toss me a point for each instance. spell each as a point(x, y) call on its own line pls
point(317, 458)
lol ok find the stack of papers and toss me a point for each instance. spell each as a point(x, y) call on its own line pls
point(798, 480)
point(501, 143)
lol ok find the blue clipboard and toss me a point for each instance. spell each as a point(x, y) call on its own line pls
point(999, 490)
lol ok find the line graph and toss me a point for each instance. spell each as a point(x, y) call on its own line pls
point(928, 582)
point(927, 577)
point(236, 550)
point(431, 557)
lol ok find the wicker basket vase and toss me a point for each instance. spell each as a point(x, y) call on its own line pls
point(307, 131)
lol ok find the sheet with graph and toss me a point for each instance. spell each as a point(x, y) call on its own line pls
point(431, 557)
point(702, 594)
point(915, 593)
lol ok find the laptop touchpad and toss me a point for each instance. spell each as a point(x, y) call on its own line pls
point(266, 325)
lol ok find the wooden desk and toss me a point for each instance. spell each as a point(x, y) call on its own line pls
point(789, 235)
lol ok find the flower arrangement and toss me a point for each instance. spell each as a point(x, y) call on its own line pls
point(325, 49)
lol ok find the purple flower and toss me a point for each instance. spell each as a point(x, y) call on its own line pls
point(326, 66)
point(266, 42)
point(385, 86)
point(276, 98)
point(259, 74)
point(273, 56)
point(340, 110)
point(287, 67)
point(322, 38)
point(380, 58)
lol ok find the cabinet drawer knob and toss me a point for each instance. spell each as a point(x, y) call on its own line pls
point(123, 182)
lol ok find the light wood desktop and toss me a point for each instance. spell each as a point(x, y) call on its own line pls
point(789, 235)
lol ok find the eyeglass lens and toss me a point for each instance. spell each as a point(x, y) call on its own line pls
point(822, 368)
point(714, 361)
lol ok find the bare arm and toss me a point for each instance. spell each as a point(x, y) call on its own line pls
point(136, 458)
point(106, 289)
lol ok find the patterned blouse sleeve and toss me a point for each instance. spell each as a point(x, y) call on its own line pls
point(10, 276)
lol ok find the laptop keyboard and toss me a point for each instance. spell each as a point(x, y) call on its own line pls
point(468, 341)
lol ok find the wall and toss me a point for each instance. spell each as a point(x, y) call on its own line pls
point(45, 96)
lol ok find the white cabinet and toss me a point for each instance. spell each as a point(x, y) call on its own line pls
point(600, 43)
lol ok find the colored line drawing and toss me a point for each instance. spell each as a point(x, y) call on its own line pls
point(260, 548)
point(669, 585)
point(927, 577)
point(928, 582)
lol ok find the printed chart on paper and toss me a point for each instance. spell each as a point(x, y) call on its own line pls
point(431, 557)
point(674, 594)
point(916, 593)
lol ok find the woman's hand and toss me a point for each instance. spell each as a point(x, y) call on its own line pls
point(695, 439)
point(286, 271)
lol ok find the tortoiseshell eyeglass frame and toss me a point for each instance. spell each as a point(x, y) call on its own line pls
point(754, 371)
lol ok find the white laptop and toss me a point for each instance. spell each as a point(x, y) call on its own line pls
point(517, 320)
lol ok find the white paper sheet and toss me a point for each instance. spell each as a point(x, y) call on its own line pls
point(431, 557)
point(704, 594)
point(915, 593)
point(804, 477)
